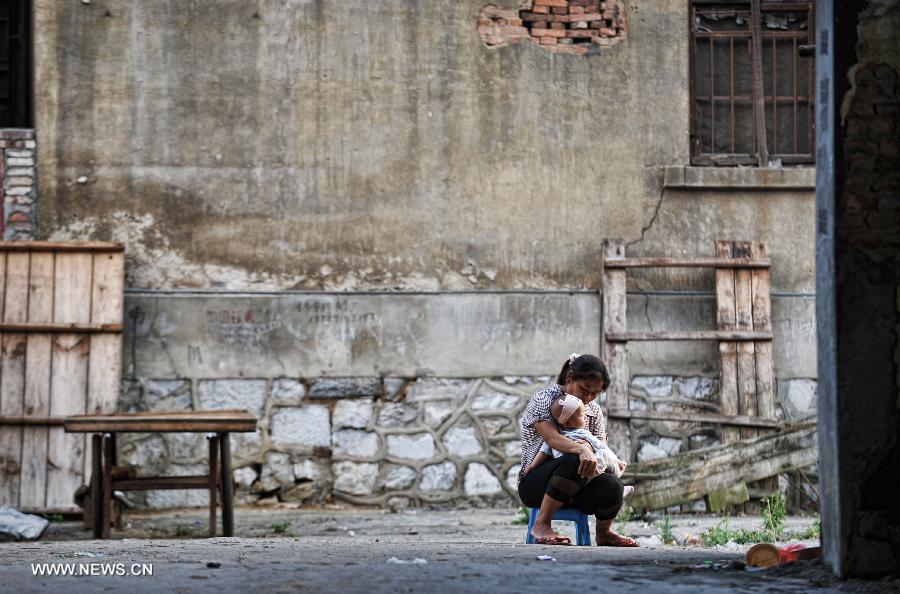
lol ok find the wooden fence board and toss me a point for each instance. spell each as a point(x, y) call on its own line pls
point(60, 355)
point(12, 377)
point(726, 319)
point(762, 322)
point(33, 489)
point(616, 353)
point(746, 351)
point(69, 375)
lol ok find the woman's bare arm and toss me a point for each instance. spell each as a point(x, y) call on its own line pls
point(556, 440)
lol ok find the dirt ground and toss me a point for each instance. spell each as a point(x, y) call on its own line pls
point(338, 549)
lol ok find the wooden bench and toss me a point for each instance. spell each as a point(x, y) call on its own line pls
point(217, 424)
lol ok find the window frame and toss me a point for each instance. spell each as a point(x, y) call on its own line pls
point(760, 103)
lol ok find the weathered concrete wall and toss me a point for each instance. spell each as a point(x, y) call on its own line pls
point(300, 144)
point(320, 144)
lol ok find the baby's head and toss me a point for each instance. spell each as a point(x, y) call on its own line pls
point(568, 411)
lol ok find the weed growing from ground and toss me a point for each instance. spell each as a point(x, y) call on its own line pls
point(773, 513)
point(666, 527)
point(521, 518)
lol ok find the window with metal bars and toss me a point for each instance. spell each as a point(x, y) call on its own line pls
point(751, 90)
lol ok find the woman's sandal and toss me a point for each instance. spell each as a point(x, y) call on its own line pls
point(552, 540)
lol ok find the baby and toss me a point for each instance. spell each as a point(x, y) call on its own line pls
point(569, 413)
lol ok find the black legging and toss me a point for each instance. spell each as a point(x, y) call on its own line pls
point(558, 478)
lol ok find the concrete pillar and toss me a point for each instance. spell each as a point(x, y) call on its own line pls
point(858, 283)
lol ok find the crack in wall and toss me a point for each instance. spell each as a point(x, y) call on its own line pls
point(662, 195)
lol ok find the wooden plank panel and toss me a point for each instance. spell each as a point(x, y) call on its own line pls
point(762, 322)
point(105, 365)
point(726, 320)
point(746, 351)
point(687, 477)
point(3, 257)
point(66, 452)
point(69, 376)
point(687, 263)
point(33, 489)
point(616, 354)
point(690, 335)
point(61, 246)
point(12, 377)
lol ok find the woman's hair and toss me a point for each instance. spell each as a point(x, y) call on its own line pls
point(584, 367)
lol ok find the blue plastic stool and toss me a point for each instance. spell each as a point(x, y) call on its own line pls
point(582, 527)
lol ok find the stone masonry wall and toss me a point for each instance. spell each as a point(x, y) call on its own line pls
point(17, 147)
point(393, 442)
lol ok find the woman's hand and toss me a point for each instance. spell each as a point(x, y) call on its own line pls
point(623, 465)
point(587, 465)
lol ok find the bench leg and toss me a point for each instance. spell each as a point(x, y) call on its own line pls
point(227, 504)
point(97, 484)
point(107, 484)
point(213, 481)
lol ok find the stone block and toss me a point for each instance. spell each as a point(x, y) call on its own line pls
point(167, 395)
point(20, 153)
point(669, 445)
point(462, 442)
point(654, 386)
point(495, 425)
point(438, 477)
point(147, 453)
point(798, 397)
point(306, 470)
point(352, 414)
point(697, 387)
point(393, 388)
point(436, 412)
point(495, 401)
point(399, 477)
point(479, 480)
point(438, 389)
point(513, 449)
point(288, 391)
point(244, 477)
point(650, 451)
point(418, 446)
point(305, 426)
point(21, 171)
point(19, 191)
point(703, 440)
point(248, 394)
point(277, 472)
point(636, 403)
point(356, 443)
point(346, 387)
point(512, 476)
point(246, 447)
point(19, 181)
point(355, 478)
point(19, 162)
point(395, 414)
point(186, 447)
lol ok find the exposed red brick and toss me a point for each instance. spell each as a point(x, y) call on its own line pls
point(19, 217)
point(541, 9)
point(548, 41)
point(558, 26)
point(557, 3)
point(531, 17)
point(559, 10)
point(576, 10)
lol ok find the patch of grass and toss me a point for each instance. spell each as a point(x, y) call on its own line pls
point(721, 534)
point(184, 531)
point(813, 531)
point(666, 528)
point(281, 527)
point(55, 518)
point(773, 513)
point(521, 518)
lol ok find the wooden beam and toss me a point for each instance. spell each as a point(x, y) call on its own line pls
point(235, 421)
point(746, 336)
point(161, 482)
point(32, 421)
point(731, 420)
point(49, 327)
point(687, 263)
point(690, 476)
point(61, 246)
